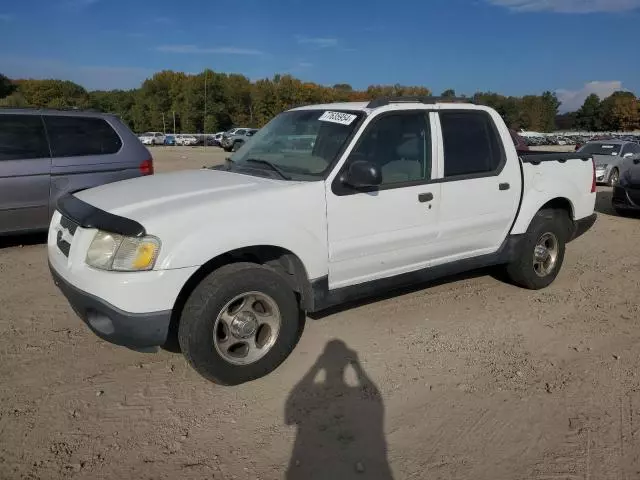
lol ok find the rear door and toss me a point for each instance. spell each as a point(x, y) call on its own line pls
point(25, 166)
point(88, 152)
point(481, 184)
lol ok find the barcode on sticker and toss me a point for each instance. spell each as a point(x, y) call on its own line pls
point(338, 117)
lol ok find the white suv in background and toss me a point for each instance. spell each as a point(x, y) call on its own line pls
point(187, 140)
point(152, 138)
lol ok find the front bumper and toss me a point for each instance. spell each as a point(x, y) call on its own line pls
point(602, 175)
point(134, 330)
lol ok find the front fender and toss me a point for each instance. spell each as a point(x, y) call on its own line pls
point(205, 244)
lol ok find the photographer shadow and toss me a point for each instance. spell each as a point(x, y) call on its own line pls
point(340, 426)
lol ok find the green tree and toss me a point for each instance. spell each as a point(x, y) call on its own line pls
point(620, 112)
point(449, 93)
point(53, 93)
point(7, 87)
point(589, 116)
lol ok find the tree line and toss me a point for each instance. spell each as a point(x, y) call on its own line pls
point(211, 101)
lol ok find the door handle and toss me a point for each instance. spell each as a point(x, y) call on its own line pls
point(504, 186)
point(425, 197)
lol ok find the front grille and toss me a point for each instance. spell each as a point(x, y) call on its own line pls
point(63, 239)
point(69, 225)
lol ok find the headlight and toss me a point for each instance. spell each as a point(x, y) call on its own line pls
point(602, 166)
point(110, 251)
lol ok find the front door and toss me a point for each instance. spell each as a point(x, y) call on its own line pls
point(388, 230)
point(25, 167)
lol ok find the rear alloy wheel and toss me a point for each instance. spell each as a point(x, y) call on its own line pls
point(540, 253)
point(545, 254)
point(614, 177)
point(239, 324)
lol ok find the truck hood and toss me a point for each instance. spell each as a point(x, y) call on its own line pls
point(148, 197)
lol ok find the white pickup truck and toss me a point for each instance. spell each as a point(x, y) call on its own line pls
point(389, 193)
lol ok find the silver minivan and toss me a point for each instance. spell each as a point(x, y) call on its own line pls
point(47, 153)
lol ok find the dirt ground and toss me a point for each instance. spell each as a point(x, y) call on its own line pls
point(467, 378)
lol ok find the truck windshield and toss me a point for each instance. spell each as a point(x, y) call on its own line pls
point(300, 143)
point(601, 149)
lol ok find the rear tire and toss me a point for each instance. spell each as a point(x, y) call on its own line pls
point(236, 146)
point(540, 254)
point(221, 321)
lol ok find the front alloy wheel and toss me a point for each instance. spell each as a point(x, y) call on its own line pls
point(247, 328)
point(239, 323)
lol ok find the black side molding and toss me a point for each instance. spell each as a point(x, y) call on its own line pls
point(538, 157)
point(88, 216)
point(323, 298)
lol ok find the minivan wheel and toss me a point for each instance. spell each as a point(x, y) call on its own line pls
point(239, 324)
point(236, 146)
point(539, 256)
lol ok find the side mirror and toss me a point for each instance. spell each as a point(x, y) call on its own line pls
point(361, 174)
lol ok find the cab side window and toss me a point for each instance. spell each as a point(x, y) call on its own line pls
point(471, 144)
point(400, 145)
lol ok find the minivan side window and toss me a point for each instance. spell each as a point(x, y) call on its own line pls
point(471, 144)
point(72, 136)
point(22, 137)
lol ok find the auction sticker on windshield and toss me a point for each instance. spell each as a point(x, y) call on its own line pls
point(338, 117)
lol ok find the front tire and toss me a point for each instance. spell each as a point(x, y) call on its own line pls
point(614, 177)
point(540, 255)
point(239, 324)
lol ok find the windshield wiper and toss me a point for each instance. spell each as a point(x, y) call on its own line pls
point(270, 165)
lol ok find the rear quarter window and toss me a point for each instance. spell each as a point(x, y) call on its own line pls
point(81, 136)
point(22, 137)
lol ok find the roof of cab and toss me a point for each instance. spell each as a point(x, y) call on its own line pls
point(393, 104)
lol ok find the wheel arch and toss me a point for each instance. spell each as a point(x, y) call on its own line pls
point(529, 211)
point(281, 260)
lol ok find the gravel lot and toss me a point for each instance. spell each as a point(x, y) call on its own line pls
point(468, 378)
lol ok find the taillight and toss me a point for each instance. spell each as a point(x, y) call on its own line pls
point(593, 183)
point(146, 167)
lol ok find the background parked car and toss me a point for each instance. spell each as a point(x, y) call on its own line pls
point(186, 140)
point(626, 194)
point(152, 138)
point(609, 156)
point(519, 142)
point(169, 140)
point(79, 150)
point(217, 139)
point(233, 142)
